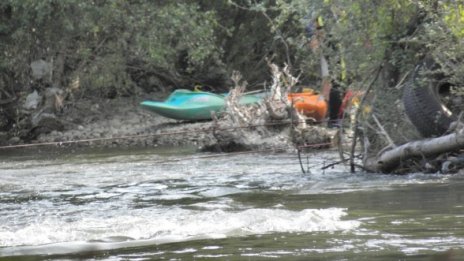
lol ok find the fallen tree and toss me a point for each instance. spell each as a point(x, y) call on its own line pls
point(392, 158)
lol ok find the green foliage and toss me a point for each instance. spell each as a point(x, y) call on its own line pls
point(454, 17)
point(175, 28)
point(101, 80)
point(98, 40)
point(187, 42)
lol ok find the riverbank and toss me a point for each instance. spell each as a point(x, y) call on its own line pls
point(122, 123)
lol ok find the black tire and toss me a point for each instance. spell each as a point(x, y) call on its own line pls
point(422, 102)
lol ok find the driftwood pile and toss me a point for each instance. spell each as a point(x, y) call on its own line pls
point(272, 123)
point(444, 154)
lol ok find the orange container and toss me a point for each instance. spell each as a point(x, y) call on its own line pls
point(309, 104)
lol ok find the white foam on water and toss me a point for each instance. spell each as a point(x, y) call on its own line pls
point(186, 250)
point(174, 225)
point(414, 246)
point(211, 247)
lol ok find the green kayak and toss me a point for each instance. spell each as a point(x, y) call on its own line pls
point(193, 105)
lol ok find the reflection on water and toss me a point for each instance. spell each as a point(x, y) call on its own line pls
point(150, 205)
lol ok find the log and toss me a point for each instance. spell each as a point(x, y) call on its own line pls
point(388, 160)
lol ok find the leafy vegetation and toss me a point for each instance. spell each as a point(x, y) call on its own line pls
point(110, 48)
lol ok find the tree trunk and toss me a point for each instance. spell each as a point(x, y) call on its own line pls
point(388, 160)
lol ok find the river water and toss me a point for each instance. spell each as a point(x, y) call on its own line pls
point(174, 204)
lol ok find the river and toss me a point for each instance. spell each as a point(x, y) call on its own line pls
point(175, 204)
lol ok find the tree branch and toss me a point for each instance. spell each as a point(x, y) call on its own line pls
point(390, 159)
point(358, 111)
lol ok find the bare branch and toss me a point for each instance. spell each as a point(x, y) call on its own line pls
point(358, 111)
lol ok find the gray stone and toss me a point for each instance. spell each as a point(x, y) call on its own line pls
point(14, 140)
point(41, 69)
point(32, 101)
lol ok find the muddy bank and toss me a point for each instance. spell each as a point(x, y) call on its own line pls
point(122, 122)
point(55, 117)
